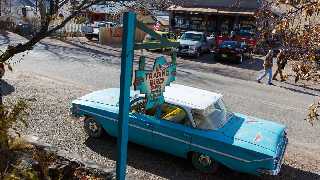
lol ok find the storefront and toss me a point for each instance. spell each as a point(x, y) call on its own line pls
point(209, 19)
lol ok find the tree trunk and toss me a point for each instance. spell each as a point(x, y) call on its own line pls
point(1, 95)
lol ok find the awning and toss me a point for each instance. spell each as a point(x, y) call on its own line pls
point(236, 12)
point(204, 10)
point(209, 10)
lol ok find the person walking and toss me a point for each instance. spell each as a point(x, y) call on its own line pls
point(281, 63)
point(268, 63)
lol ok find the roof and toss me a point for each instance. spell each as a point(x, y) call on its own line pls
point(190, 97)
point(181, 95)
point(211, 10)
point(222, 4)
point(179, 8)
point(194, 32)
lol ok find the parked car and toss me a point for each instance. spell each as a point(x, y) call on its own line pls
point(168, 35)
point(230, 50)
point(221, 37)
point(92, 30)
point(247, 37)
point(193, 43)
point(24, 29)
point(203, 130)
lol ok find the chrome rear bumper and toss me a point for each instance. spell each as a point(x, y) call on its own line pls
point(280, 161)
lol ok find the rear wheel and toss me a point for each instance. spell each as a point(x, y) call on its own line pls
point(89, 37)
point(216, 57)
point(92, 127)
point(204, 163)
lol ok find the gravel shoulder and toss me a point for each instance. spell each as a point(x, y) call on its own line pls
point(49, 119)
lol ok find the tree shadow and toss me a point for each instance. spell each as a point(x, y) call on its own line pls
point(299, 91)
point(303, 86)
point(171, 167)
point(6, 88)
point(61, 51)
point(255, 64)
point(4, 38)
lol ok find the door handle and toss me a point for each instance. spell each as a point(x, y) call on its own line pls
point(186, 135)
point(148, 124)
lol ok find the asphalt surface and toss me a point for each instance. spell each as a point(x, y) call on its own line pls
point(89, 66)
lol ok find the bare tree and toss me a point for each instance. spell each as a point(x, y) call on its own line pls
point(46, 17)
point(297, 23)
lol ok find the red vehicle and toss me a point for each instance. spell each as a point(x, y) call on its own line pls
point(247, 37)
point(221, 38)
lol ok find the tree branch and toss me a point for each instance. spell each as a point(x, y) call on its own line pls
point(44, 32)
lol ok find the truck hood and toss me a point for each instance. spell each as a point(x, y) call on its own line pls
point(189, 42)
point(263, 133)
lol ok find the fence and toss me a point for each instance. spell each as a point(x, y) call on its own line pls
point(114, 35)
point(71, 30)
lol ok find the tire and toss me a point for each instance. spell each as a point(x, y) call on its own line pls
point(204, 163)
point(92, 127)
point(216, 58)
point(197, 55)
point(89, 37)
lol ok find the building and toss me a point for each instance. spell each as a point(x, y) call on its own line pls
point(213, 16)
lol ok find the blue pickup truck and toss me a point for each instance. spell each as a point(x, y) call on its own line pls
point(194, 124)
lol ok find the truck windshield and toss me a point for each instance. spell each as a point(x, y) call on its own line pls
point(191, 36)
point(213, 117)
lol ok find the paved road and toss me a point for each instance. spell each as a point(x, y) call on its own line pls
point(98, 67)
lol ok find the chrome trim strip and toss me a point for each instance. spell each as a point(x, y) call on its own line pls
point(144, 129)
point(180, 140)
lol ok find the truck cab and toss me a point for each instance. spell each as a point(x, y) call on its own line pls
point(193, 43)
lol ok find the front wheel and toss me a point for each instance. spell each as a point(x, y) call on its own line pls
point(197, 54)
point(240, 60)
point(204, 163)
point(92, 127)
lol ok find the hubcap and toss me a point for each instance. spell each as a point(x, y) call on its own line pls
point(204, 160)
point(93, 126)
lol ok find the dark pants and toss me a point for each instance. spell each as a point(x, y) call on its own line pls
point(279, 70)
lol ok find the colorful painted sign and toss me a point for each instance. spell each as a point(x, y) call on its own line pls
point(152, 83)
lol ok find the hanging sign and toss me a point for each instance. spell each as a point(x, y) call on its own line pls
point(152, 82)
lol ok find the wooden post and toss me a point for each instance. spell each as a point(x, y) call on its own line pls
point(129, 27)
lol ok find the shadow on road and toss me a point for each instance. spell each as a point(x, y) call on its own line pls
point(61, 50)
point(6, 88)
point(170, 167)
point(4, 38)
point(255, 64)
point(300, 91)
point(303, 86)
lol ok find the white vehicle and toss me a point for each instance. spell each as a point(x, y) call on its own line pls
point(193, 43)
point(92, 30)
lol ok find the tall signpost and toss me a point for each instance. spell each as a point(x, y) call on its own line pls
point(129, 28)
point(152, 83)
